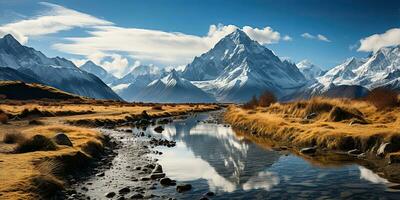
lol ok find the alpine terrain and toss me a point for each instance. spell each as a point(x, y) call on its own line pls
point(56, 72)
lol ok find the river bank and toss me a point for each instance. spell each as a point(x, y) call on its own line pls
point(48, 166)
point(322, 126)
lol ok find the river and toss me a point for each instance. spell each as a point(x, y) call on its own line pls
point(210, 156)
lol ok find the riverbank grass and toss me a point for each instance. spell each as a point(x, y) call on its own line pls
point(335, 124)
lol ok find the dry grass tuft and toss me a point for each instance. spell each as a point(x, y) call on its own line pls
point(13, 137)
point(157, 107)
point(36, 143)
point(340, 124)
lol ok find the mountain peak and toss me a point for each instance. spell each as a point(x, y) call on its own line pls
point(89, 62)
point(239, 37)
point(10, 40)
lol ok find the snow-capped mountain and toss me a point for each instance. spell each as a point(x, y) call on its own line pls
point(309, 70)
point(381, 69)
point(172, 89)
point(238, 68)
point(92, 68)
point(56, 72)
point(149, 71)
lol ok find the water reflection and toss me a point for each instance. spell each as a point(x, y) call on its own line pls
point(212, 157)
point(370, 176)
point(213, 152)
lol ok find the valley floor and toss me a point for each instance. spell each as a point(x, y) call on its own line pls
point(35, 163)
point(321, 126)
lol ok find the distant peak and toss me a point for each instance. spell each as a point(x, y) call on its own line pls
point(89, 62)
point(10, 39)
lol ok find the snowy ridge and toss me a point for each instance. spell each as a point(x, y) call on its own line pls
point(238, 68)
point(172, 88)
point(56, 72)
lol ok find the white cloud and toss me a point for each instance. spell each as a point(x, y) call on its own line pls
point(308, 36)
point(263, 36)
point(154, 46)
point(106, 43)
point(57, 19)
point(317, 37)
point(375, 42)
point(323, 38)
point(287, 38)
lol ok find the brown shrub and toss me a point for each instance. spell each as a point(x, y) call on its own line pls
point(12, 138)
point(157, 107)
point(266, 99)
point(252, 104)
point(383, 98)
point(36, 143)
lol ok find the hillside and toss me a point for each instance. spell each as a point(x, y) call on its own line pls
point(18, 90)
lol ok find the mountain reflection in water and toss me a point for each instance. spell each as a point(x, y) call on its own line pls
point(211, 157)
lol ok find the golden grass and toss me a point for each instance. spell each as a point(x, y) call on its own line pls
point(25, 175)
point(286, 122)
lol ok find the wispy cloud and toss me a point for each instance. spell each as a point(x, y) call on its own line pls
point(113, 46)
point(56, 19)
point(317, 37)
point(375, 42)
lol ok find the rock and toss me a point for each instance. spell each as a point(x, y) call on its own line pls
point(385, 148)
point(308, 150)
point(158, 169)
point(167, 182)
point(101, 174)
point(157, 176)
point(62, 139)
point(203, 198)
point(159, 129)
point(183, 188)
point(110, 194)
point(311, 116)
point(210, 194)
point(124, 190)
point(137, 196)
point(145, 179)
point(354, 152)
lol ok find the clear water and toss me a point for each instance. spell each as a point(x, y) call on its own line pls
point(212, 157)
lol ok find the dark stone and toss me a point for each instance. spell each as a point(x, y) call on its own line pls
point(137, 196)
point(101, 174)
point(157, 176)
point(159, 129)
point(210, 194)
point(110, 194)
point(354, 152)
point(167, 182)
point(158, 169)
point(124, 190)
point(183, 188)
point(62, 139)
point(308, 150)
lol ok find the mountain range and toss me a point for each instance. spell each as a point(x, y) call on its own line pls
point(234, 70)
point(23, 63)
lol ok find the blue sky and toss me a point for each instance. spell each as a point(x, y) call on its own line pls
point(122, 34)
